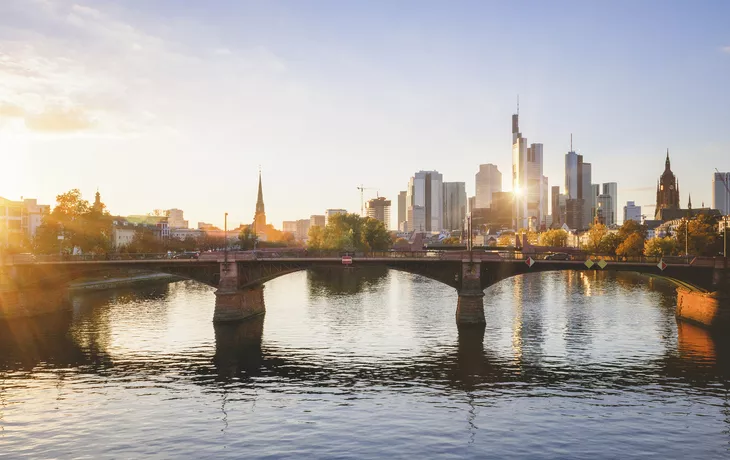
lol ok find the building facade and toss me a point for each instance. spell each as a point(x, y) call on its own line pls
point(579, 196)
point(632, 212)
point(527, 180)
point(289, 226)
point(425, 191)
point(19, 220)
point(175, 218)
point(317, 220)
point(379, 208)
point(455, 205)
point(604, 213)
point(487, 181)
point(721, 192)
point(611, 189)
point(402, 210)
point(328, 213)
point(302, 229)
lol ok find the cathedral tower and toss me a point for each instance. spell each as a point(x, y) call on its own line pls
point(667, 193)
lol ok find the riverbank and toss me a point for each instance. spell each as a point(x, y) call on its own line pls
point(121, 281)
point(39, 301)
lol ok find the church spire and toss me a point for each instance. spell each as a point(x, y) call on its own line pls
point(689, 205)
point(260, 197)
point(666, 163)
point(259, 219)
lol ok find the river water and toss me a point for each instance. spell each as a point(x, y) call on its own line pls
point(368, 365)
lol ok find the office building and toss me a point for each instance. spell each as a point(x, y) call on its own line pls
point(332, 212)
point(558, 207)
point(611, 189)
point(425, 195)
point(545, 200)
point(455, 205)
point(632, 212)
point(721, 192)
point(579, 191)
point(379, 208)
point(289, 226)
point(402, 209)
point(527, 180)
point(302, 229)
point(317, 220)
point(604, 210)
point(487, 181)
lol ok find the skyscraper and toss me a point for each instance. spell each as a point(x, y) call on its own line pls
point(527, 180)
point(402, 210)
point(259, 219)
point(487, 181)
point(611, 189)
point(578, 191)
point(558, 207)
point(721, 192)
point(632, 212)
point(424, 201)
point(379, 208)
point(454, 205)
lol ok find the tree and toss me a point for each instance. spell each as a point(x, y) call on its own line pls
point(631, 227)
point(659, 247)
point(701, 235)
point(450, 241)
point(350, 232)
point(632, 246)
point(247, 238)
point(315, 237)
point(375, 236)
point(506, 240)
point(554, 238)
point(145, 242)
point(609, 244)
point(595, 236)
point(82, 226)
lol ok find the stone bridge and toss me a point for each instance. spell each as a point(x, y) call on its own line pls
point(239, 276)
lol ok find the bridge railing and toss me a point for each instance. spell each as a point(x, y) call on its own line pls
point(485, 255)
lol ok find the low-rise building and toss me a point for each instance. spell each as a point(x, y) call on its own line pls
point(19, 220)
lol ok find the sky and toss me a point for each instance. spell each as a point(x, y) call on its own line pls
point(176, 104)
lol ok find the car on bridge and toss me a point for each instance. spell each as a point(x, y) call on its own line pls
point(186, 255)
point(559, 256)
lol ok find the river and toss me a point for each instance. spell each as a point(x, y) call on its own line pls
point(368, 365)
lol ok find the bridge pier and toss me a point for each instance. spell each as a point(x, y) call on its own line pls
point(470, 306)
point(232, 303)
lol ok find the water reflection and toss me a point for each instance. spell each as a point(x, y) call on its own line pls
point(338, 280)
point(395, 352)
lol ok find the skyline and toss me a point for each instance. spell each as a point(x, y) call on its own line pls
point(153, 104)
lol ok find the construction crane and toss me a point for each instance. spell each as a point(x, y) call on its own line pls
point(362, 202)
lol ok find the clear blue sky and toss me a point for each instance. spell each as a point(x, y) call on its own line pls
point(175, 104)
